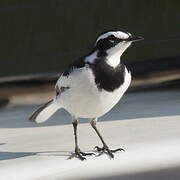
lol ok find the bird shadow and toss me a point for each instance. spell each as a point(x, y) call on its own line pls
point(15, 155)
point(2, 144)
point(67, 154)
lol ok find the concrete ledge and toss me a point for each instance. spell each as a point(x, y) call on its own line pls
point(151, 144)
point(145, 124)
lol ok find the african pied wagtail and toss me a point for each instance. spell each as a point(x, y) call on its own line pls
point(92, 85)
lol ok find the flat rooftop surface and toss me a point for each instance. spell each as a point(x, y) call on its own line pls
point(145, 124)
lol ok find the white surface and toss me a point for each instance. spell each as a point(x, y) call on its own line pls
point(152, 143)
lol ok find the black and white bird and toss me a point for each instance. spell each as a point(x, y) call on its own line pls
point(92, 85)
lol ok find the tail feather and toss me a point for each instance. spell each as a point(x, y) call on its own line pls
point(44, 112)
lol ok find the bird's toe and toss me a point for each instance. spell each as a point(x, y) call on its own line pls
point(105, 149)
point(86, 154)
point(80, 156)
point(116, 150)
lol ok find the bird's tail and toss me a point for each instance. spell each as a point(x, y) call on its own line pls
point(44, 112)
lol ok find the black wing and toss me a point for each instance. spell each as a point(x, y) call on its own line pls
point(76, 64)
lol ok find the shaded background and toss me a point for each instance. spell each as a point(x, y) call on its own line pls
point(45, 35)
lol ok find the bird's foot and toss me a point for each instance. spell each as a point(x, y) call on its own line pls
point(105, 149)
point(80, 155)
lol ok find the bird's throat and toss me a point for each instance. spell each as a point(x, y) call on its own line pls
point(113, 60)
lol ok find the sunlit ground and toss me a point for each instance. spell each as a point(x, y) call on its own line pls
point(145, 124)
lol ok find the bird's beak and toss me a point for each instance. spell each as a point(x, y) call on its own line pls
point(135, 38)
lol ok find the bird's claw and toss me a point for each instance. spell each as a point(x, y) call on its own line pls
point(86, 154)
point(105, 149)
point(80, 155)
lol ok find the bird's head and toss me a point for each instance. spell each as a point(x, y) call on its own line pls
point(113, 42)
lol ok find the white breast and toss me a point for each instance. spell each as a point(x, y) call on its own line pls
point(84, 99)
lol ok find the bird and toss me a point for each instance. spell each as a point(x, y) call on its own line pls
point(92, 85)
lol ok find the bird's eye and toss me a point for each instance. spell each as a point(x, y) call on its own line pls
point(112, 39)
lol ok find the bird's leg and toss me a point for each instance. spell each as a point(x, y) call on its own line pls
point(78, 152)
point(105, 148)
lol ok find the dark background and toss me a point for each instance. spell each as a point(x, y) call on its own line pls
point(45, 35)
